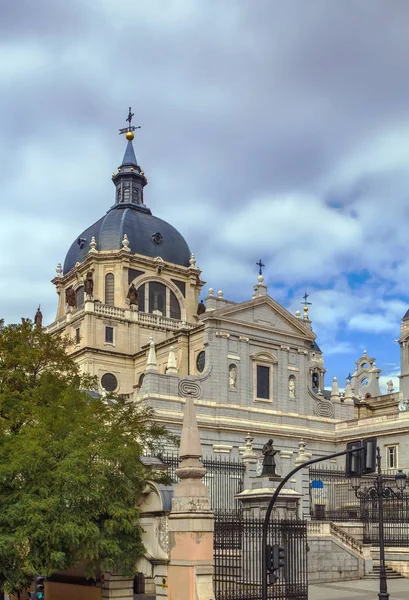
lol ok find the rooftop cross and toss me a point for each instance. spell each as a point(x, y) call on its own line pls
point(306, 296)
point(260, 266)
point(128, 130)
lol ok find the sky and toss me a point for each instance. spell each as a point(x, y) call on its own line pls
point(272, 129)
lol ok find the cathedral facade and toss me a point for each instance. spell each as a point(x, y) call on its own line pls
point(128, 297)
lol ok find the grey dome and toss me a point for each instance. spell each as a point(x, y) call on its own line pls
point(147, 235)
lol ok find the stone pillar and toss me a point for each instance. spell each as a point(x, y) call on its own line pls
point(303, 480)
point(116, 587)
point(191, 523)
point(250, 460)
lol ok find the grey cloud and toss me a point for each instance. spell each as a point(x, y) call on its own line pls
point(236, 100)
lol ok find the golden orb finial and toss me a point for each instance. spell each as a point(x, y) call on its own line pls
point(305, 309)
point(129, 136)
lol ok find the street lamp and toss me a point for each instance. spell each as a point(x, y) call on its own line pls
point(378, 490)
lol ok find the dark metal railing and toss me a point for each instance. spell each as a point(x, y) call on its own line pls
point(237, 557)
point(224, 478)
point(333, 499)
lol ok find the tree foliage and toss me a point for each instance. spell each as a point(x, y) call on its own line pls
point(70, 467)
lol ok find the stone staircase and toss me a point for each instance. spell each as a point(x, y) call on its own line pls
point(390, 573)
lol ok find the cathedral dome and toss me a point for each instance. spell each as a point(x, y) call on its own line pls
point(147, 235)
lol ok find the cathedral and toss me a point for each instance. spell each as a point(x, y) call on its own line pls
point(129, 299)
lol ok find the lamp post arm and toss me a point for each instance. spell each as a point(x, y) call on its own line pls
point(271, 504)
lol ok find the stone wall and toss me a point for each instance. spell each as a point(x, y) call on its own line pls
point(330, 561)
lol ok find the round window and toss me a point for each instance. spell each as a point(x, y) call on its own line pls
point(201, 361)
point(109, 382)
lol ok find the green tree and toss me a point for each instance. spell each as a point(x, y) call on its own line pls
point(70, 467)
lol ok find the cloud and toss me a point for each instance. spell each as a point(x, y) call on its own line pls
point(272, 130)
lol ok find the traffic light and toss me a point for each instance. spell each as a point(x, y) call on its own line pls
point(278, 557)
point(39, 593)
point(354, 460)
point(363, 461)
point(369, 460)
point(275, 559)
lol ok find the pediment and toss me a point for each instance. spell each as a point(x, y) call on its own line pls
point(267, 313)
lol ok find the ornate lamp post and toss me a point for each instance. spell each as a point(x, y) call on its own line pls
point(380, 492)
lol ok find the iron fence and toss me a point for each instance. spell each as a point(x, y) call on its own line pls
point(395, 525)
point(333, 499)
point(237, 558)
point(224, 478)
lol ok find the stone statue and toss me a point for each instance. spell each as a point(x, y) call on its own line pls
point(232, 377)
point(390, 386)
point(38, 319)
point(133, 295)
point(291, 387)
point(89, 284)
point(269, 463)
point(201, 308)
point(70, 297)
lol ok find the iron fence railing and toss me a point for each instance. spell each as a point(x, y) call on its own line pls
point(333, 499)
point(237, 558)
point(224, 478)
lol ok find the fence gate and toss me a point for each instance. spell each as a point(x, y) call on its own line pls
point(237, 558)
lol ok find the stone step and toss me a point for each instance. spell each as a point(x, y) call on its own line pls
point(390, 573)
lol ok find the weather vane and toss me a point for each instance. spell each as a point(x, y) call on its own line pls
point(260, 266)
point(129, 130)
point(306, 296)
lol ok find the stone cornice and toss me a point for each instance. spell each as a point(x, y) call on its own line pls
point(222, 314)
point(128, 259)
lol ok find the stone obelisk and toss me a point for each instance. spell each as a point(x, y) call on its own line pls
point(191, 522)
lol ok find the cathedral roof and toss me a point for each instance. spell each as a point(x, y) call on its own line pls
point(147, 234)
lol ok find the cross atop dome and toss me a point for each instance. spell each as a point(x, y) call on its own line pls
point(131, 128)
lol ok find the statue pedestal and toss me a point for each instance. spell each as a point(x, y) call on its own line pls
point(255, 501)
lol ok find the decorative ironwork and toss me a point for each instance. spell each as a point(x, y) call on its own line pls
point(130, 127)
point(260, 266)
point(237, 557)
point(378, 492)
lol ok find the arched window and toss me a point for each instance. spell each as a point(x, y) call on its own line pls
point(291, 387)
point(79, 295)
point(315, 381)
point(109, 289)
point(174, 312)
point(157, 297)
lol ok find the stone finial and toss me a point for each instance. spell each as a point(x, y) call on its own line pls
point(220, 294)
point(58, 270)
point(93, 245)
point(125, 243)
point(260, 289)
point(151, 364)
point(348, 396)
point(192, 260)
point(171, 367)
point(302, 455)
point(249, 455)
point(297, 314)
point(335, 391)
point(211, 291)
point(365, 353)
point(306, 317)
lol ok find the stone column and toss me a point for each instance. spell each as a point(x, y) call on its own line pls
point(116, 587)
point(191, 523)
